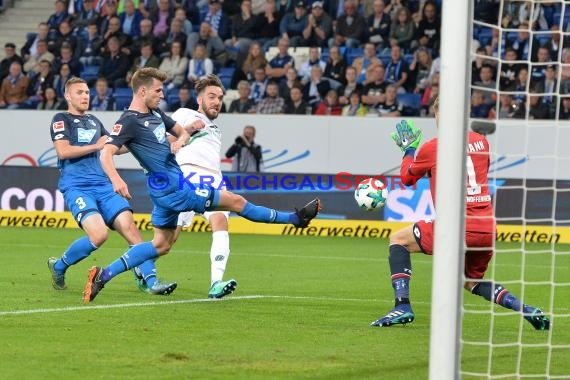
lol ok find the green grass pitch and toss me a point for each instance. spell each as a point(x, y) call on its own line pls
point(301, 311)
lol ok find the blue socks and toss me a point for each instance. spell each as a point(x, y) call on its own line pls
point(401, 271)
point(148, 271)
point(130, 259)
point(267, 215)
point(77, 251)
point(498, 295)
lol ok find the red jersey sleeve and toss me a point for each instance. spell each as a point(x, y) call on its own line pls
point(412, 169)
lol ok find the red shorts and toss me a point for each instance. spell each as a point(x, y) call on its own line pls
point(480, 247)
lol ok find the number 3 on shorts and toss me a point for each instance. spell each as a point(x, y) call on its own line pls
point(80, 203)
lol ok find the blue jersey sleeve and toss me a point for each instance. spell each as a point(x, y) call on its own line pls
point(59, 128)
point(123, 132)
point(168, 121)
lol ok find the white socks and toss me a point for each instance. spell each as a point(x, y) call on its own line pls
point(219, 253)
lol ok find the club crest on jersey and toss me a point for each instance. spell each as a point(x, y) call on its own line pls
point(85, 135)
point(58, 126)
point(160, 133)
point(116, 129)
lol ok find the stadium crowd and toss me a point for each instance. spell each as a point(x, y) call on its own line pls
point(330, 57)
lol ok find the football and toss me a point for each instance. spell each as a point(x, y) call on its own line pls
point(371, 194)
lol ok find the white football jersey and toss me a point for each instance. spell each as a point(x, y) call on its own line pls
point(204, 146)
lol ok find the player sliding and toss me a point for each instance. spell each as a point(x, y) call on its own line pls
point(479, 227)
point(142, 129)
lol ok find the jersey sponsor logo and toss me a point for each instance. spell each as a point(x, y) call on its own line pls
point(85, 135)
point(58, 126)
point(116, 129)
point(160, 133)
point(59, 136)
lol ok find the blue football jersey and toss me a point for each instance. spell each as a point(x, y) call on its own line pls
point(79, 131)
point(144, 134)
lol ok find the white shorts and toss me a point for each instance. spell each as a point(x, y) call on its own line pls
point(185, 218)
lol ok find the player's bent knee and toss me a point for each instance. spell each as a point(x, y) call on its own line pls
point(98, 238)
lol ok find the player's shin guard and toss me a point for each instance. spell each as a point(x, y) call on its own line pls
point(497, 294)
point(219, 253)
point(77, 251)
point(401, 272)
point(130, 259)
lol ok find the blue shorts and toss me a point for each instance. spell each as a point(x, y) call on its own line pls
point(167, 207)
point(84, 201)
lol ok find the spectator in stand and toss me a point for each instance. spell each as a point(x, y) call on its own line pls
point(316, 89)
point(478, 63)
point(547, 88)
point(350, 27)
point(267, 25)
point(184, 100)
point(57, 17)
point(521, 43)
point(175, 66)
point(296, 105)
point(486, 75)
point(314, 60)
point(175, 34)
point(66, 57)
point(553, 44)
point(330, 105)
point(379, 23)
point(31, 66)
point(246, 66)
point(355, 106)
point(218, 20)
point(565, 72)
point(64, 36)
point(258, 85)
point(180, 14)
point(374, 91)
point(214, 45)
point(369, 59)
point(350, 86)
point(507, 106)
point(13, 93)
point(109, 11)
point(84, 17)
point(63, 75)
point(243, 29)
point(103, 100)
point(427, 34)
point(292, 25)
point(10, 56)
point(335, 68)
point(390, 107)
point(146, 59)
point(319, 26)
point(479, 109)
point(92, 47)
point(538, 109)
point(131, 19)
point(520, 86)
point(272, 103)
point(509, 70)
point(115, 64)
point(30, 47)
point(278, 66)
point(200, 65)
point(430, 94)
point(564, 111)
point(397, 70)
point(38, 83)
point(114, 31)
point(243, 104)
point(50, 101)
point(539, 68)
point(402, 30)
point(283, 7)
point(134, 48)
point(291, 80)
point(161, 19)
point(419, 71)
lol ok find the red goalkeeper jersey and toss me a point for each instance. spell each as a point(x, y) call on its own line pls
point(480, 216)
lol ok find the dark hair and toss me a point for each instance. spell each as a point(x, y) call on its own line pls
point(210, 80)
point(144, 77)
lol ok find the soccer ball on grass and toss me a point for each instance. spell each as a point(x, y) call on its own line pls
point(371, 194)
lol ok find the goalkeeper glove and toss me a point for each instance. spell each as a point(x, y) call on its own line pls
point(407, 136)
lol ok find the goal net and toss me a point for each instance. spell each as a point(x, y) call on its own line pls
point(520, 97)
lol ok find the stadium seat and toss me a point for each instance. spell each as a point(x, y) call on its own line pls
point(484, 36)
point(352, 54)
point(300, 55)
point(123, 96)
point(226, 74)
point(172, 95)
point(411, 104)
point(89, 73)
point(122, 103)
